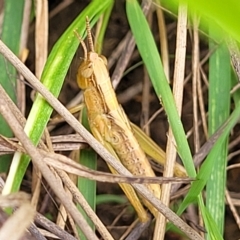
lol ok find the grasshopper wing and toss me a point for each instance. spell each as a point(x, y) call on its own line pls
point(154, 151)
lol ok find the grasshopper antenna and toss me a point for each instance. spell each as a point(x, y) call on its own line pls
point(89, 35)
point(82, 43)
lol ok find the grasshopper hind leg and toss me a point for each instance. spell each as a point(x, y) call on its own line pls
point(127, 189)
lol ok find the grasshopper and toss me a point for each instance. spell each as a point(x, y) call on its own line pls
point(111, 127)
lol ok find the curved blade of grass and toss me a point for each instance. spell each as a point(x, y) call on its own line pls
point(236, 94)
point(149, 53)
point(10, 35)
point(107, 198)
point(53, 76)
point(209, 222)
point(219, 109)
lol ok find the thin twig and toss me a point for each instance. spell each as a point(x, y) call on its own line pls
point(77, 195)
point(178, 86)
point(47, 224)
point(196, 79)
point(233, 208)
point(48, 175)
point(127, 51)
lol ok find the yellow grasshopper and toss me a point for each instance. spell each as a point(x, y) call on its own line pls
point(111, 127)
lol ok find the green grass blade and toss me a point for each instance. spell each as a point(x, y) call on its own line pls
point(202, 178)
point(86, 186)
point(53, 76)
point(210, 224)
point(10, 35)
point(149, 53)
point(236, 94)
point(100, 37)
point(219, 108)
point(111, 198)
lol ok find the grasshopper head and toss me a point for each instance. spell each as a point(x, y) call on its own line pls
point(85, 74)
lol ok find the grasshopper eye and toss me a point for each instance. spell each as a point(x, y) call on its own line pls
point(104, 59)
point(85, 69)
